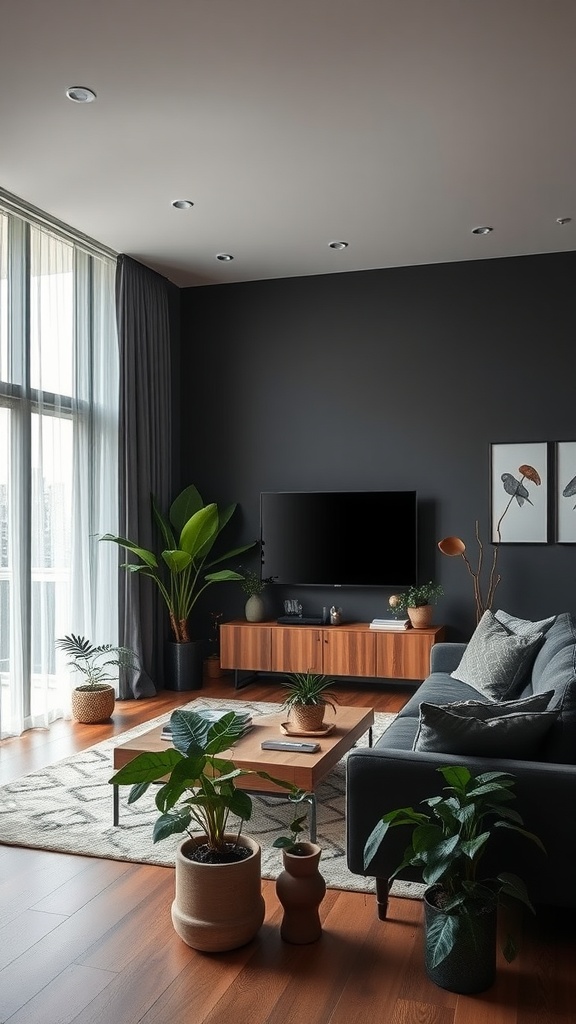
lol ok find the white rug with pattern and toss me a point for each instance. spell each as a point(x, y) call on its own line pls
point(67, 807)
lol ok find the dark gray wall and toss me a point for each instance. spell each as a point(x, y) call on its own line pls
point(397, 378)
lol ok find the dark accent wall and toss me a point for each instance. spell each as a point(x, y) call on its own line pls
point(396, 378)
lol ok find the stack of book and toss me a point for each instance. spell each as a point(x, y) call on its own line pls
point(214, 715)
point(390, 624)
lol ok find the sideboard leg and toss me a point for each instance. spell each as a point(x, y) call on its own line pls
point(382, 890)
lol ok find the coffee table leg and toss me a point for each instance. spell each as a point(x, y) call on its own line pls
point(116, 804)
point(312, 817)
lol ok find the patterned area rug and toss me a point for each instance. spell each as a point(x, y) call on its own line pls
point(67, 807)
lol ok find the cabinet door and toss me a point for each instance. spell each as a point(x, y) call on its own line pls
point(348, 653)
point(404, 655)
point(296, 649)
point(246, 646)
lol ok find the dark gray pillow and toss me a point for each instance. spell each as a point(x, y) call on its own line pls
point(496, 662)
point(475, 729)
point(524, 627)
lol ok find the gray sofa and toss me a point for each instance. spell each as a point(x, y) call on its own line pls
point(392, 774)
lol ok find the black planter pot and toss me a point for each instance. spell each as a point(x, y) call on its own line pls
point(183, 666)
point(471, 966)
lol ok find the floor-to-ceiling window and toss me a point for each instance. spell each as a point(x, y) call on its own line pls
point(58, 462)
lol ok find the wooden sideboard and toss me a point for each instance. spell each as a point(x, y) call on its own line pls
point(352, 649)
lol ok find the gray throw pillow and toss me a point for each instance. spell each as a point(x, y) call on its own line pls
point(524, 627)
point(485, 730)
point(497, 662)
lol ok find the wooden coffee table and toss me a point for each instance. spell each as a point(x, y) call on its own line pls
point(303, 770)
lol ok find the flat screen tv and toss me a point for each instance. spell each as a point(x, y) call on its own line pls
point(339, 538)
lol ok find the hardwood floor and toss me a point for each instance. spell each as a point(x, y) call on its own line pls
point(88, 941)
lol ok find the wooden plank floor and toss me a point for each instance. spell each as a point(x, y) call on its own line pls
point(89, 941)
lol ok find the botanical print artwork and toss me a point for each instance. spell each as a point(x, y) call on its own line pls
point(566, 492)
point(519, 493)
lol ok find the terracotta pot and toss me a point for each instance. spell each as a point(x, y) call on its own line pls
point(90, 706)
point(255, 609)
point(218, 906)
point(421, 617)
point(301, 888)
point(307, 717)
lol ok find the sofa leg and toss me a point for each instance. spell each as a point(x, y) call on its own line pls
point(382, 890)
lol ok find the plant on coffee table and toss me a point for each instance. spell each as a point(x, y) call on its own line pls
point(307, 699)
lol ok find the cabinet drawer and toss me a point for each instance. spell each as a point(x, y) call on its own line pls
point(245, 646)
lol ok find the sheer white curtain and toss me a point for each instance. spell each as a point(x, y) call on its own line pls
point(58, 464)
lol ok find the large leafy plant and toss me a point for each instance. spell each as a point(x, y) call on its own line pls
point(448, 845)
point(198, 786)
point(189, 533)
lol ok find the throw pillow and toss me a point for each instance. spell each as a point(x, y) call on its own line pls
point(495, 661)
point(524, 627)
point(487, 730)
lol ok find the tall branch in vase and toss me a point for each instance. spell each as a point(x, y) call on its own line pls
point(454, 546)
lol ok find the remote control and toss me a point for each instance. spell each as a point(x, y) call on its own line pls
point(299, 748)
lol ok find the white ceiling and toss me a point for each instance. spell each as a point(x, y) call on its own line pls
point(396, 125)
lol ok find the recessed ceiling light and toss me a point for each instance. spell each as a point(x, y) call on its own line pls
point(182, 204)
point(563, 220)
point(338, 245)
point(482, 231)
point(225, 257)
point(80, 94)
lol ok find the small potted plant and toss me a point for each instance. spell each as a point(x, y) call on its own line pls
point(218, 902)
point(300, 887)
point(307, 700)
point(447, 845)
point(417, 602)
point(253, 584)
point(93, 701)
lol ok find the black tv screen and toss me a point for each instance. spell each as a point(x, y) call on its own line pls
point(339, 538)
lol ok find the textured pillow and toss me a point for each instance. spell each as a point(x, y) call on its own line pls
point(524, 627)
point(485, 730)
point(496, 662)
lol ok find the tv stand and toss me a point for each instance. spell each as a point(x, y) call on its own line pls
point(352, 649)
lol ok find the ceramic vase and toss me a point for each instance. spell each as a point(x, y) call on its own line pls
point(218, 907)
point(254, 609)
point(301, 888)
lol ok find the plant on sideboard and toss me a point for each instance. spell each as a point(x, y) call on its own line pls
point(420, 596)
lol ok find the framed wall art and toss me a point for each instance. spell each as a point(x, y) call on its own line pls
point(566, 492)
point(519, 493)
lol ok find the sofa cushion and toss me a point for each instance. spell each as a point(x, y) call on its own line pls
point(497, 662)
point(438, 688)
point(555, 668)
point(524, 627)
point(474, 728)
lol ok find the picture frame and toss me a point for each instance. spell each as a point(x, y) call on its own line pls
point(565, 465)
point(519, 501)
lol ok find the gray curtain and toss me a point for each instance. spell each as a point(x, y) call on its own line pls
point(142, 309)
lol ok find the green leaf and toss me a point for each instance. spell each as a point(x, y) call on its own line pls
point(471, 848)
point(223, 575)
point(514, 887)
point(184, 507)
point(168, 824)
point(147, 767)
point(199, 529)
point(137, 791)
point(457, 777)
point(241, 804)
point(522, 832)
point(162, 524)
point(230, 554)
point(177, 560)
point(441, 936)
point(147, 556)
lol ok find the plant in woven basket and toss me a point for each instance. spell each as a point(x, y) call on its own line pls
point(307, 699)
point(94, 662)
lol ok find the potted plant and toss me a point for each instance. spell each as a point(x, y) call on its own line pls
point(307, 700)
point(253, 585)
point(417, 602)
point(94, 700)
point(448, 845)
point(300, 887)
point(189, 533)
point(218, 903)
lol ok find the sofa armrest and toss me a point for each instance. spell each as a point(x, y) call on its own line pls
point(381, 780)
point(446, 657)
